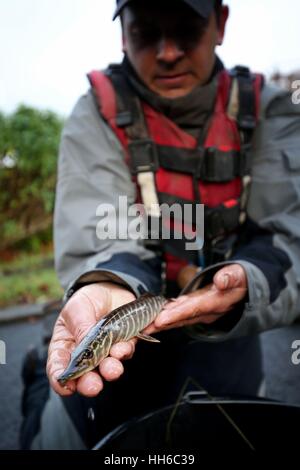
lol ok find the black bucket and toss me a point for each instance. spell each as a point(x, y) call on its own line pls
point(198, 422)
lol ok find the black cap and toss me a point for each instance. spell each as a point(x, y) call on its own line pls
point(202, 7)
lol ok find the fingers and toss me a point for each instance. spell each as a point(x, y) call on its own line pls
point(90, 304)
point(63, 390)
point(123, 350)
point(207, 304)
point(90, 384)
point(70, 328)
point(59, 353)
point(111, 369)
point(230, 277)
point(152, 328)
point(79, 315)
point(204, 319)
point(187, 307)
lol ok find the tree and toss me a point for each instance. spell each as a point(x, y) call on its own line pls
point(29, 140)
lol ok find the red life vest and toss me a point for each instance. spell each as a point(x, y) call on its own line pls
point(211, 172)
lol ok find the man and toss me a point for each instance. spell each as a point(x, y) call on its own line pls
point(172, 80)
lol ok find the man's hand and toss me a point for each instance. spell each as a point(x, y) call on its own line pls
point(93, 302)
point(83, 310)
point(205, 305)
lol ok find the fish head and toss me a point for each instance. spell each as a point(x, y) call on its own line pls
point(81, 363)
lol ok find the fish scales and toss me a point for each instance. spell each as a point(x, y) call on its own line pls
point(121, 324)
point(134, 319)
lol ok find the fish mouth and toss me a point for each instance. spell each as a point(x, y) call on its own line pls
point(72, 373)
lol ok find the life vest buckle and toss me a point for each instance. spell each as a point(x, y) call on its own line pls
point(144, 156)
point(124, 119)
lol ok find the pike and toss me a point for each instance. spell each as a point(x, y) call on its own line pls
point(121, 324)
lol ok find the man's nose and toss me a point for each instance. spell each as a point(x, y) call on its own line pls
point(168, 50)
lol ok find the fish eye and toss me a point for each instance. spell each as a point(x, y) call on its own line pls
point(88, 354)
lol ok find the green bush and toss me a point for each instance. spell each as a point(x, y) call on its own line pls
point(29, 141)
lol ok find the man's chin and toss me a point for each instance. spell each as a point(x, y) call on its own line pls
point(172, 93)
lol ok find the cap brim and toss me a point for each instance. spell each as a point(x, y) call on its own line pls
point(120, 7)
point(203, 8)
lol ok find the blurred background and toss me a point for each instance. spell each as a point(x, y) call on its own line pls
point(46, 49)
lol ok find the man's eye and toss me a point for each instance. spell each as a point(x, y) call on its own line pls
point(193, 32)
point(145, 34)
point(135, 32)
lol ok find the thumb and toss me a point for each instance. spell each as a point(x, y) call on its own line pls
point(230, 277)
point(84, 309)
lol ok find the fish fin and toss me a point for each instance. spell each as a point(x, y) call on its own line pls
point(147, 338)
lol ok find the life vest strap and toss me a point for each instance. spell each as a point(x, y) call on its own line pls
point(144, 157)
point(217, 220)
point(152, 142)
point(246, 106)
point(210, 165)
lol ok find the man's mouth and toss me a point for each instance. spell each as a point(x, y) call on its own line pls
point(172, 80)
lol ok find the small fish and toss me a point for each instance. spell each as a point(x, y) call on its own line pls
point(121, 324)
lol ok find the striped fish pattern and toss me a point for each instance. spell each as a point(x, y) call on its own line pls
point(121, 324)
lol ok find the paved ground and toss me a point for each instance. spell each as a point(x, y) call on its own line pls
point(283, 378)
point(18, 338)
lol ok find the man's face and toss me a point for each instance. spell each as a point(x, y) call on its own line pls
point(170, 46)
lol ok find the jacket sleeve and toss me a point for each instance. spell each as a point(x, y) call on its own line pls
point(269, 248)
point(92, 172)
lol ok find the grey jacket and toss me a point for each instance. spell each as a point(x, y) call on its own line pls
point(92, 171)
